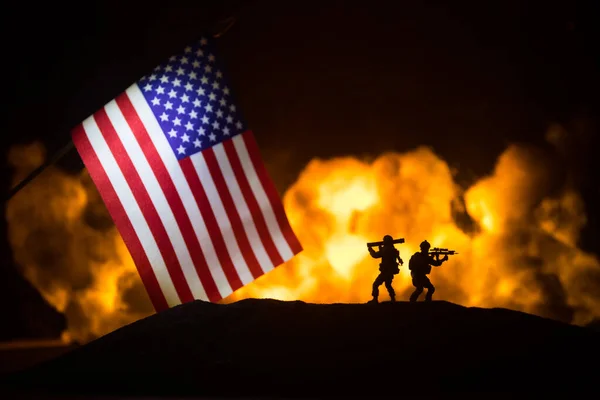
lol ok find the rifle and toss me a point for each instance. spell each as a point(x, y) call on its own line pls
point(395, 241)
point(436, 251)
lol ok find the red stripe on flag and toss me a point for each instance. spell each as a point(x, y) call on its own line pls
point(143, 199)
point(257, 215)
point(117, 212)
point(237, 226)
point(271, 191)
point(191, 175)
point(172, 195)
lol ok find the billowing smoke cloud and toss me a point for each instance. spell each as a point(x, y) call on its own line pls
point(68, 248)
point(516, 230)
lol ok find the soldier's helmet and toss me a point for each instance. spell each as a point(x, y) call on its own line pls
point(425, 246)
point(387, 239)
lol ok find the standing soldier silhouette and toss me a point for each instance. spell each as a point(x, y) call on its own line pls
point(420, 266)
point(387, 268)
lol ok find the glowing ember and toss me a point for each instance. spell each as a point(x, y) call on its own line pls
point(524, 256)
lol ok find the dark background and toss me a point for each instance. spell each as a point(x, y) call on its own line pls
point(315, 79)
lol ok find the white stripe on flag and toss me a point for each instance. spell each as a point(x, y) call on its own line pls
point(159, 200)
point(262, 199)
point(242, 208)
point(171, 163)
point(216, 204)
point(132, 209)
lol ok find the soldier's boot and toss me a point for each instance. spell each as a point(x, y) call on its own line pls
point(375, 293)
point(391, 292)
point(415, 295)
point(429, 295)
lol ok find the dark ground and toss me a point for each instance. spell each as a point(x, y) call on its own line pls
point(275, 348)
point(18, 355)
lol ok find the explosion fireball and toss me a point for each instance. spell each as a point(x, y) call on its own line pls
point(516, 234)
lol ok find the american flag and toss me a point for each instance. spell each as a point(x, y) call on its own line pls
point(181, 175)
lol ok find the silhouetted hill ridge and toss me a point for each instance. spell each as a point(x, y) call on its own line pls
point(270, 347)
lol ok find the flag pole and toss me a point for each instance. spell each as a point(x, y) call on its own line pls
point(57, 156)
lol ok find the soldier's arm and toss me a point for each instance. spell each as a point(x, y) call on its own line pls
point(436, 262)
point(399, 259)
point(375, 254)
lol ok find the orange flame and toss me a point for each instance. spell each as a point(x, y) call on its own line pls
point(522, 256)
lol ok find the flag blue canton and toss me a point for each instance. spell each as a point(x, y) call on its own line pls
point(191, 100)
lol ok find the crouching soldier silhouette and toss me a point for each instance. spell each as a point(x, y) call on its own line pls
point(420, 266)
point(390, 256)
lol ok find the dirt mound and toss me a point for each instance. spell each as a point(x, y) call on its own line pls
point(269, 347)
